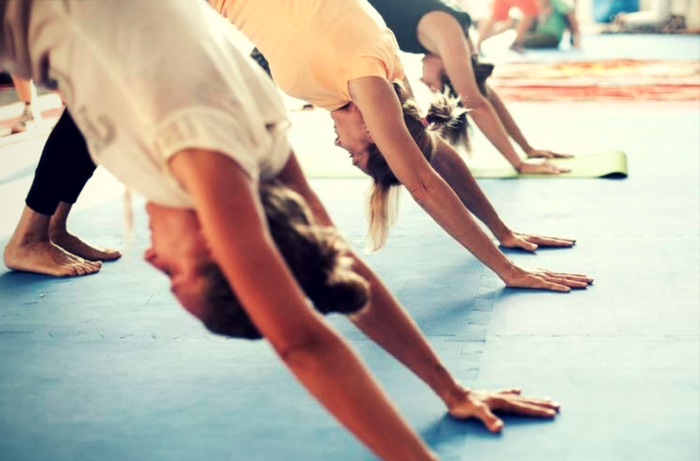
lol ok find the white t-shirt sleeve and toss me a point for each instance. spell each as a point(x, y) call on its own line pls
point(241, 139)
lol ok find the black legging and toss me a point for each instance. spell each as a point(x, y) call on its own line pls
point(64, 168)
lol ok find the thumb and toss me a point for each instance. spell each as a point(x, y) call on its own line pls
point(492, 422)
point(529, 246)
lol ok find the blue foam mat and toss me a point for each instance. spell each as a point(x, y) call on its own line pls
point(109, 367)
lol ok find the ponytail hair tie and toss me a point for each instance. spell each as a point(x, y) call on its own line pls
point(424, 121)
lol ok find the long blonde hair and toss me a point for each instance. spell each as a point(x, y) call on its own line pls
point(382, 204)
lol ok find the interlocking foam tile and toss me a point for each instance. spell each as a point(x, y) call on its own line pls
point(109, 367)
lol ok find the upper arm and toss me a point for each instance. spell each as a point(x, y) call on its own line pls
point(233, 222)
point(293, 177)
point(382, 113)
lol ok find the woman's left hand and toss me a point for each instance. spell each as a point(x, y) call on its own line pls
point(482, 404)
point(542, 153)
point(530, 242)
point(541, 166)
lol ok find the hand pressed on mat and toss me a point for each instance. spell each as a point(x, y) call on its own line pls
point(541, 166)
point(543, 279)
point(530, 242)
point(482, 404)
point(543, 153)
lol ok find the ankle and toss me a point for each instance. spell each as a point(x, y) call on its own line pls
point(28, 238)
point(58, 232)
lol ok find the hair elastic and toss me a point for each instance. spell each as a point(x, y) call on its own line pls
point(425, 122)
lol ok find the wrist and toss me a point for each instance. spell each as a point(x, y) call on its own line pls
point(501, 231)
point(456, 396)
point(508, 273)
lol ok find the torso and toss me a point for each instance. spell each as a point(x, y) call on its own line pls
point(315, 47)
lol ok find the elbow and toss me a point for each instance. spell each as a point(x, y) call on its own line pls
point(421, 189)
point(305, 350)
point(477, 105)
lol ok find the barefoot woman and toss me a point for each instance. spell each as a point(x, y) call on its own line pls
point(198, 152)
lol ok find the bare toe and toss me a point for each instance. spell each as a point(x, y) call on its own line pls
point(43, 257)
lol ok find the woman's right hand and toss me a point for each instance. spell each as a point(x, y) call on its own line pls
point(542, 279)
point(482, 404)
point(541, 166)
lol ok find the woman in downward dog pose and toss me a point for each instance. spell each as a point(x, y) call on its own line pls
point(199, 153)
point(361, 82)
point(440, 30)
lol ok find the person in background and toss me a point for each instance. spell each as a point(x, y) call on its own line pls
point(26, 92)
point(439, 30)
point(500, 11)
point(555, 18)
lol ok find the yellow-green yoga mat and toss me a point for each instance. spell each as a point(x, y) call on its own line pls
point(312, 137)
point(611, 164)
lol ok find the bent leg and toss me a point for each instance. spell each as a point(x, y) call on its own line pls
point(64, 168)
point(538, 40)
point(31, 250)
point(68, 159)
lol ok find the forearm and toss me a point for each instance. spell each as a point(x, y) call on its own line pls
point(384, 119)
point(487, 120)
point(507, 120)
point(328, 368)
point(388, 324)
point(337, 379)
point(448, 164)
point(460, 71)
point(442, 204)
point(384, 320)
point(234, 227)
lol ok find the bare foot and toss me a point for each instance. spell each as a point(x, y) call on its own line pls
point(43, 257)
point(74, 245)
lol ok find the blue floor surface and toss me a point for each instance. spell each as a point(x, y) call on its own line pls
point(108, 367)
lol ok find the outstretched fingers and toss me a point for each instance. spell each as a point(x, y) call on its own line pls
point(491, 421)
point(541, 240)
point(561, 169)
point(521, 407)
point(545, 284)
point(542, 153)
point(570, 280)
point(546, 403)
point(548, 167)
point(512, 391)
point(571, 276)
point(560, 155)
